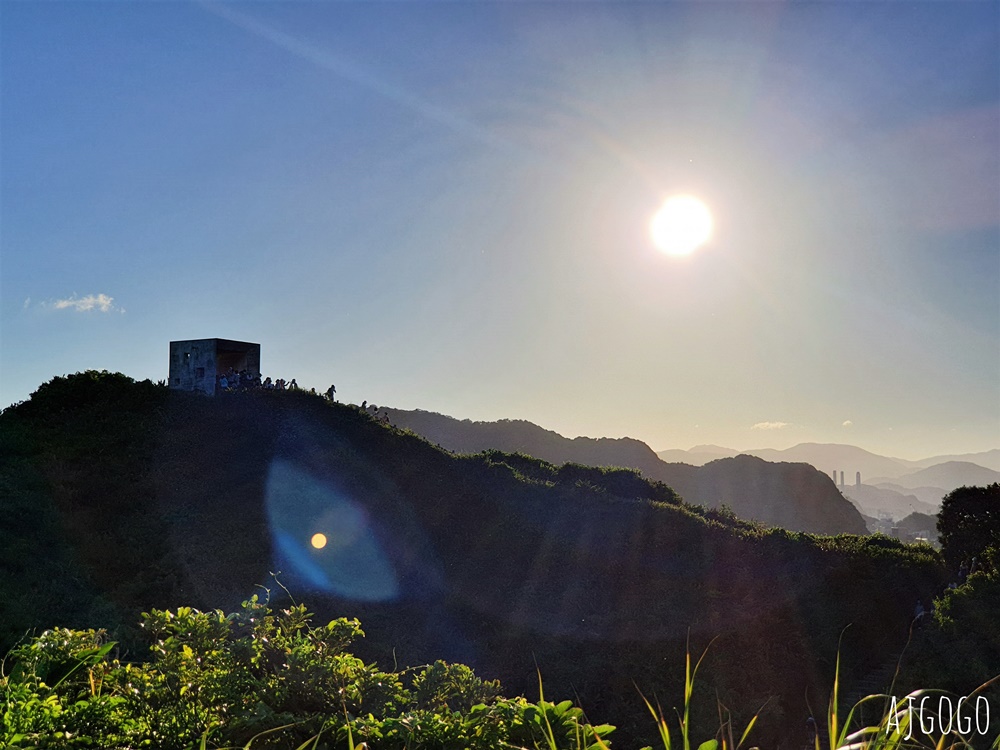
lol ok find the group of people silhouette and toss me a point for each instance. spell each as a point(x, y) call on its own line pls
point(233, 380)
point(373, 412)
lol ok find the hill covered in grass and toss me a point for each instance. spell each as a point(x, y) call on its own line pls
point(122, 496)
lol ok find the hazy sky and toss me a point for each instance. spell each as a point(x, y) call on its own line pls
point(445, 206)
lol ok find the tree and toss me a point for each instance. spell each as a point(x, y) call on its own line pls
point(969, 522)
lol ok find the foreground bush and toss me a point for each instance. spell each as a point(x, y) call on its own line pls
point(259, 678)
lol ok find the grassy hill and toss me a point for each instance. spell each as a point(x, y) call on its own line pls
point(121, 496)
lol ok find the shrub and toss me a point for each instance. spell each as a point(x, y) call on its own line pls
point(258, 678)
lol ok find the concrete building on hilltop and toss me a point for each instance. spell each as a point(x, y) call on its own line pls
point(195, 364)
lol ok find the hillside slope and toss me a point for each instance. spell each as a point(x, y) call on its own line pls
point(792, 496)
point(498, 560)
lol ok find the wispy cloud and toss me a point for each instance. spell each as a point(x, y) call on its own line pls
point(90, 303)
point(769, 425)
point(847, 423)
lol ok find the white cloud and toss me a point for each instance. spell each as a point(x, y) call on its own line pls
point(27, 303)
point(769, 425)
point(99, 302)
point(847, 423)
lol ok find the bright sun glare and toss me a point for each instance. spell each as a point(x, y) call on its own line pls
point(681, 226)
point(318, 541)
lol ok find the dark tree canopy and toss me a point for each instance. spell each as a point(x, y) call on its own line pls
point(969, 522)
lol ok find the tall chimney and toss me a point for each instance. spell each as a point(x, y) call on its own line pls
point(857, 479)
point(841, 479)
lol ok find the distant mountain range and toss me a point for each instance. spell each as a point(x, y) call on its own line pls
point(890, 486)
point(950, 474)
point(878, 501)
point(829, 457)
point(792, 495)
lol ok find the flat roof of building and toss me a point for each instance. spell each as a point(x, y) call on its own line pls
point(219, 343)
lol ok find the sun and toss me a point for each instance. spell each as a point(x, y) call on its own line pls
point(681, 226)
point(318, 541)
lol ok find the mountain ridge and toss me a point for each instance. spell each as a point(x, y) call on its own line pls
point(792, 495)
point(986, 459)
point(949, 475)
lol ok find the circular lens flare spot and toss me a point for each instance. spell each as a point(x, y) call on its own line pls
point(318, 541)
point(681, 226)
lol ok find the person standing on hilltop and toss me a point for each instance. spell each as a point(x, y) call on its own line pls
point(331, 394)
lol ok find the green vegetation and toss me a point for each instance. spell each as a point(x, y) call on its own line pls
point(969, 525)
point(125, 497)
point(260, 679)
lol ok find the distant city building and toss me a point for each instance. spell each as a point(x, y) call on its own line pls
point(841, 479)
point(195, 364)
point(857, 479)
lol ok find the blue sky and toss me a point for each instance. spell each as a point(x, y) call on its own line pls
point(445, 206)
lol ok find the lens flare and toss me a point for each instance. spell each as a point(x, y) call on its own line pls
point(354, 563)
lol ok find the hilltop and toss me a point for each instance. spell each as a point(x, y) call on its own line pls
point(123, 496)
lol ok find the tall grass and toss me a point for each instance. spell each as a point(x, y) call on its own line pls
point(902, 726)
point(723, 740)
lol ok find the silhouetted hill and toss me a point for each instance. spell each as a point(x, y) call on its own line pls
point(987, 459)
point(829, 457)
point(930, 496)
point(121, 496)
point(793, 496)
point(875, 500)
point(949, 476)
point(825, 457)
point(699, 455)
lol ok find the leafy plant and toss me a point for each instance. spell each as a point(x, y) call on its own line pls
point(256, 679)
